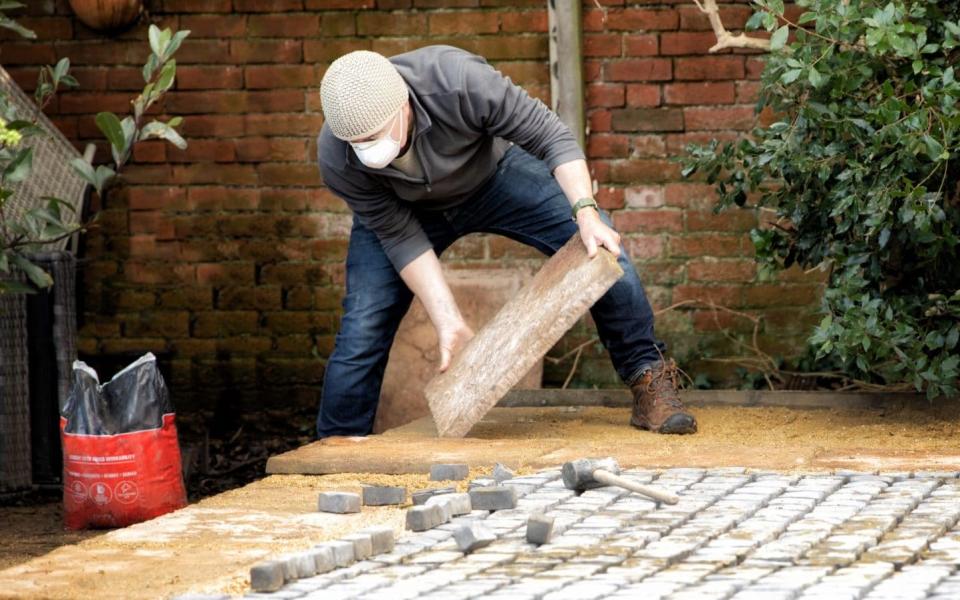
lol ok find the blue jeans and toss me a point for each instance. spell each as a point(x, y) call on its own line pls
point(521, 201)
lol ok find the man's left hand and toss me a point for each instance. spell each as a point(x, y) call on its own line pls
point(595, 232)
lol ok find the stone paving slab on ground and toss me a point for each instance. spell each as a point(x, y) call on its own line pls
point(735, 534)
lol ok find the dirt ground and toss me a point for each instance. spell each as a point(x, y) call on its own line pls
point(209, 546)
point(901, 437)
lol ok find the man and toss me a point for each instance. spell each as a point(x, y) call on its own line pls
point(431, 145)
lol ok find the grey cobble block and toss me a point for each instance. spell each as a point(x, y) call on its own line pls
point(443, 502)
point(420, 497)
point(303, 564)
point(460, 503)
point(267, 577)
point(338, 502)
point(493, 498)
point(422, 518)
point(539, 529)
point(383, 495)
point(473, 537)
point(323, 559)
point(362, 545)
point(289, 568)
point(381, 538)
point(449, 472)
point(343, 552)
point(501, 473)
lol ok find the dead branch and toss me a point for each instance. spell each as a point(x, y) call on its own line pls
point(725, 39)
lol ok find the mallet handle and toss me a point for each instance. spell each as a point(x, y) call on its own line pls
point(657, 494)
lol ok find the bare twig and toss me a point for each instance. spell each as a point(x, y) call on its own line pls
point(725, 39)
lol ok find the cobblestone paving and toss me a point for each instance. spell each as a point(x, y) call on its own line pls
point(735, 534)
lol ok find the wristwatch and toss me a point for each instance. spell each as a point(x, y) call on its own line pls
point(583, 203)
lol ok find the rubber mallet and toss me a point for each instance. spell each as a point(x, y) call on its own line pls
point(587, 473)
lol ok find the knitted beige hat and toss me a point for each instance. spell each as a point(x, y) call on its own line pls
point(360, 92)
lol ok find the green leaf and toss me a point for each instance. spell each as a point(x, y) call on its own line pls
point(779, 38)
point(16, 287)
point(174, 44)
point(61, 69)
point(164, 131)
point(18, 169)
point(8, 23)
point(109, 124)
point(153, 34)
point(85, 170)
point(38, 276)
point(167, 75)
point(790, 76)
point(150, 67)
point(814, 77)
point(102, 177)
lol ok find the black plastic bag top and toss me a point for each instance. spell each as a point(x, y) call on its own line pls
point(134, 400)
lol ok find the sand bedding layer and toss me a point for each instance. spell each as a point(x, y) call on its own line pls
point(210, 545)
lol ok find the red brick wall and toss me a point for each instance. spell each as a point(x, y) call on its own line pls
point(228, 257)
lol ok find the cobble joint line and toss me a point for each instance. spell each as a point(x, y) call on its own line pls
point(735, 534)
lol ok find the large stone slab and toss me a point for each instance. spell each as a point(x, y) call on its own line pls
point(480, 293)
point(518, 336)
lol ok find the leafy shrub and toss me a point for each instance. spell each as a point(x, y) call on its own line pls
point(21, 234)
point(861, 171)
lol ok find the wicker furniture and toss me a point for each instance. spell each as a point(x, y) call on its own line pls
point(52, 175)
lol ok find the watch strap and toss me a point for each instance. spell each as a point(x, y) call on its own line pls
point(583, 203)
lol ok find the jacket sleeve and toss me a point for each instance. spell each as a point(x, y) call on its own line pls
point(380, 211)
point(490, 102)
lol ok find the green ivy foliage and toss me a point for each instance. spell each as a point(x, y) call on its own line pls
point(861, 170)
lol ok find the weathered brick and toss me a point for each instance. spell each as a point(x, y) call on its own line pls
point(645, 44)
point(285, 26)
point(603, 44)
point(605, 94)
point(643, 95)
point(699, 93)
point(648, 221)
point(639, 69)
point(527, 21)
point(714, 118)
point(642, 19)
point(709, 67)
point(208, 78)
point(648, 119)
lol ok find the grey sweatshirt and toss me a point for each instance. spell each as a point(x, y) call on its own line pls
point(466, 115)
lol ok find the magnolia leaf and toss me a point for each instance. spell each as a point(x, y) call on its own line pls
point(150, 67)
point(84, 168)
point(153, 34)
point(109, 124)
point(8, 23)
point(167, 75)
point(19, 168)
point(38, 276)
point(164, 131)
point(102, 177)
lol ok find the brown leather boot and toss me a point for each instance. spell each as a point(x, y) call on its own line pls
point(656, 402)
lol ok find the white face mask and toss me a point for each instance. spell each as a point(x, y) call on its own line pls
point(377, 154)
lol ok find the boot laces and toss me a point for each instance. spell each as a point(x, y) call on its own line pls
point(664, 384)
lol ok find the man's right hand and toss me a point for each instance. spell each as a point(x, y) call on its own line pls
point(451, 341)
